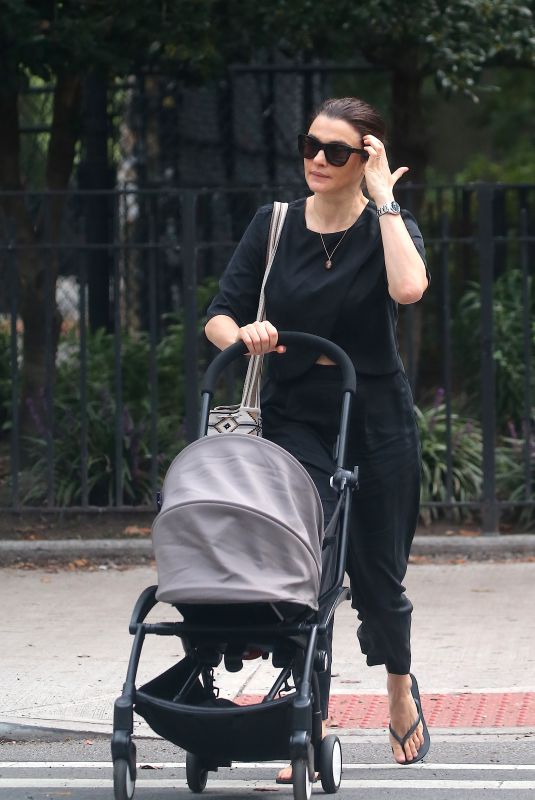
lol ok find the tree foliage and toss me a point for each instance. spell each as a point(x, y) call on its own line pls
point(51, 37)
point(63, 42)
point(450, 42)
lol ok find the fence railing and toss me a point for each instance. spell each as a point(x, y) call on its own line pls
point(102, 343)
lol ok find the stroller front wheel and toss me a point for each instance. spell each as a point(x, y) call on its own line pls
point(196, 773)
point(330, 764)
point(301, 780)
point(123, 784)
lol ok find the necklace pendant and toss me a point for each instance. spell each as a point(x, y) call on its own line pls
point(328, 264)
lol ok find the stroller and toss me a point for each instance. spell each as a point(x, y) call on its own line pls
point(242, 555)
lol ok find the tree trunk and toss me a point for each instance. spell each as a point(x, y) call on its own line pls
point(38, 268)
point(19, 227)
point(64, 136)
point(409, 142)
point(95, 174)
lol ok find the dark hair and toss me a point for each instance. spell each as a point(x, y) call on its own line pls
point(359, 114)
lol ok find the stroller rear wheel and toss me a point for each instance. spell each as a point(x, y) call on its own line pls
point(196, 773)
point(123, 783)
point(301, 780)
point(330, 764)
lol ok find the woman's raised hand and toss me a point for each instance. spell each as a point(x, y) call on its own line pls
point(379, 180)
point(260, 337)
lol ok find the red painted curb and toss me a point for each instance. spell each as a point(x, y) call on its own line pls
point(463, 710)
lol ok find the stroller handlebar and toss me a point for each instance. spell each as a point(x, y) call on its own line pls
point(330, 349)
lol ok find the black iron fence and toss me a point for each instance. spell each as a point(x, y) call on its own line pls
point(102, 343)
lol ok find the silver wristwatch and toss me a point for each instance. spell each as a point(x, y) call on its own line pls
point(389, 208)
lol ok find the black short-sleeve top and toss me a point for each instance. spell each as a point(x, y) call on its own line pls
point(348, 304)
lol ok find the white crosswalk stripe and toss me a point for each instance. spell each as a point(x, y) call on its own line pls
point(434, 767)
point(252, 776)
point(163, 783)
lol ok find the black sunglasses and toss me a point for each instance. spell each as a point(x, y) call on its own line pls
point(335, 153)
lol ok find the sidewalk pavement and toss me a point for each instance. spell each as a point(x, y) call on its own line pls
point(65, 648)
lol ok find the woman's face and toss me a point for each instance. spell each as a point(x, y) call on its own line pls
point(324, 177)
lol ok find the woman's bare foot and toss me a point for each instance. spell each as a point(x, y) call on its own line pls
point(403, 715)
point(285, 774)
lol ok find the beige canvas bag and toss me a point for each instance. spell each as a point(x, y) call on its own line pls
point(246, 417)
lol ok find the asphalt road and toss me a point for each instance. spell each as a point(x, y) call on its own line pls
point(493, 766)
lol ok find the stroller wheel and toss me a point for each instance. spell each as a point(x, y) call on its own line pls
point(301, 780)
point(196, 773)
point(123, 784)
point(330, 764)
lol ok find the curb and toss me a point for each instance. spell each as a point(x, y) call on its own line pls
point(14, 552)
point(477, 548)
point(34, 730)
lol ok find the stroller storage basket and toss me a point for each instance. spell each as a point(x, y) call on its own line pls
point(222, 732)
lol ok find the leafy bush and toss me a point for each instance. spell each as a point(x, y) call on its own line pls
point(511, 475)
point(509, 343)
point(467, 465)
point(101, 457)
point(517, 168)
point(101, 418)
point(5, 373)
point(467, 475)
point(101, 410)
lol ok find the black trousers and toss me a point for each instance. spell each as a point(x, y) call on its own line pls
point(303, 417)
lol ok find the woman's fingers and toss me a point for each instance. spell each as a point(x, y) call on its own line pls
point(260, 337)
point(398, 173)
point(373, 146)
point(252, 339)
point(271, 332)
point(379, 179)
point(274, 338)
point(372, 152)
point(372, 141)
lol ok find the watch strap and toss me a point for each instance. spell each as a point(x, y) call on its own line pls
point(388, 208)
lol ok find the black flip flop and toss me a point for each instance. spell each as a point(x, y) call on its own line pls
point(422, 752)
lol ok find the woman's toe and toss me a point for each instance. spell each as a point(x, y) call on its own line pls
point(397, 751)
point(412, 750)
point(285, 774)
point(412, 746)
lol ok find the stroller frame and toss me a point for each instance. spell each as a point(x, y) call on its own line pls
point(297, 648)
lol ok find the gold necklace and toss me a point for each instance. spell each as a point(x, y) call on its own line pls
point(329, 262)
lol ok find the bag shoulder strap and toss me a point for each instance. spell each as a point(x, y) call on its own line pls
point(251, 386)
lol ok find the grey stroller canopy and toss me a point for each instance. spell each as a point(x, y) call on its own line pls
point(241, 521)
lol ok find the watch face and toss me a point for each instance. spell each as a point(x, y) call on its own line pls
point(395, 207)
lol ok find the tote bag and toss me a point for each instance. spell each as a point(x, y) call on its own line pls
point(246, 416)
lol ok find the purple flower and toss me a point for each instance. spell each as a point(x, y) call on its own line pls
point(69, 419)
point(128, 424)
point(512, 429)
point(37, 414)
point(439, 397)
point(107, 402)
point(134, 458)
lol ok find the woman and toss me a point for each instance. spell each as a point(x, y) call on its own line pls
point(343, 264)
